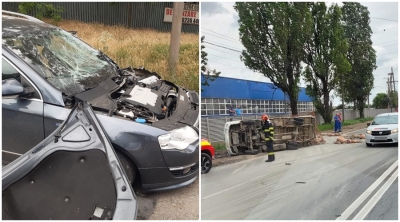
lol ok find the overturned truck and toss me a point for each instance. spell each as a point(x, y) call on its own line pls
point(247, 136)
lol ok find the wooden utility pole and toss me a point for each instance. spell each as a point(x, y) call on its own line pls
point(389, 93)
point(175, 35)
point(341, 86)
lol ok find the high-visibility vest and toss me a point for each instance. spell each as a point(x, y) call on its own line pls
point(268, 130)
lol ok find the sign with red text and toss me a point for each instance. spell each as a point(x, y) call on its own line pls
point(190, 14)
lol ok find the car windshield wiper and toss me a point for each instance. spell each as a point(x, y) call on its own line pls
point(104, 57)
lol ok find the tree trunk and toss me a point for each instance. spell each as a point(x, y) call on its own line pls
point(293, 105)
point(327, 113)
point(360, 108)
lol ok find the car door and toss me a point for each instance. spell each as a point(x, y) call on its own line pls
point(73, 174)
point(22, 117)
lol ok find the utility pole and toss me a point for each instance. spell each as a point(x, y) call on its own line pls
point(389, 93)
point(177, 12)
point(341, 86)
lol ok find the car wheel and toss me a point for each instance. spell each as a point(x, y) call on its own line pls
point(206, 163)
point(368, 144)
point(129, 168)
point(248, 122)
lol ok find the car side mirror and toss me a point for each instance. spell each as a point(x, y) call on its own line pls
point(368, 124)
point(11, 89)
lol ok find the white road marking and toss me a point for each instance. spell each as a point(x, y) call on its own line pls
point(374, 200)
point(366, 193)
point(239, 169)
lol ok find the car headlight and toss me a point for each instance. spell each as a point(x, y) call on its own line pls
point(394, 131)
point(178, 139)
point(368, 131)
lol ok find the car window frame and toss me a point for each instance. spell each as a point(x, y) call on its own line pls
point(23, 75)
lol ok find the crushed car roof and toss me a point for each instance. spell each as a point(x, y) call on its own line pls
point(14, 26)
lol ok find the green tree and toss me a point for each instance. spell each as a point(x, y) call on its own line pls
point(274, 35)
point(325, 56)
point(381, 101)
point(358, 83)
point(41, 10)
point(207, 74)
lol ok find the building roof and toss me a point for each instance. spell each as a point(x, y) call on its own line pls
point(225, 87)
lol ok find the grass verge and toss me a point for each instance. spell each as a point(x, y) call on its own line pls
point(219, 146)
point(142, 47)
point(331, 126)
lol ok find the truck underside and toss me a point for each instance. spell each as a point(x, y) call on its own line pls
point(247, 136)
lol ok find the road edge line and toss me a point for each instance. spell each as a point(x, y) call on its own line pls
point(377, 196)
point(350, 210)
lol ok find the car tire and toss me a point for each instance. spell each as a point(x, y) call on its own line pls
point(206, 163)
point(129, 167)
point(251, 152)
point(368, 144)
point(298, 123)
point(249, 122)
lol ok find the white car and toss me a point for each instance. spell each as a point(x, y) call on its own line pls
point(383, 130)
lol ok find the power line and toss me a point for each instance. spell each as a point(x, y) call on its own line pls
point(384, 30)
point(208, 47)
point(384, 19)
point(219, 34)
point(221, 37)
point(229, 65)
point(225, 58)
point(222, 46)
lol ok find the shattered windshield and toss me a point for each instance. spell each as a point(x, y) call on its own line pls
point(382, 120)
point(66, 62)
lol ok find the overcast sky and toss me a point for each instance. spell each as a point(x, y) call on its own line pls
point(220, 27)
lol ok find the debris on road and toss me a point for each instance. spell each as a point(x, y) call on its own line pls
point(288, 163)
point(301, 182)
point(355, 138)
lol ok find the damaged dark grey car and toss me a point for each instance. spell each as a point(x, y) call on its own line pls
point(73, 174)
point(152, 123)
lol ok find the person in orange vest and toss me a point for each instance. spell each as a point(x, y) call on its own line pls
point(268, 129)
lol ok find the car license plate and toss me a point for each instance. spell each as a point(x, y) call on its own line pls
point(380, 138)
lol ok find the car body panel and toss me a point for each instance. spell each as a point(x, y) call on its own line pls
point(227, 135)
point(25, 117)
point(207, 147)
point(73, 174)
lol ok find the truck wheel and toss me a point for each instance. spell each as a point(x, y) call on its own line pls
point(129, 167)
point(298, 123)
point(251, 152)
point(248, 122)
point(298, 119)
point(206, 163)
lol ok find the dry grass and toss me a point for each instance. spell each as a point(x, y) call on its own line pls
point(141, 47)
